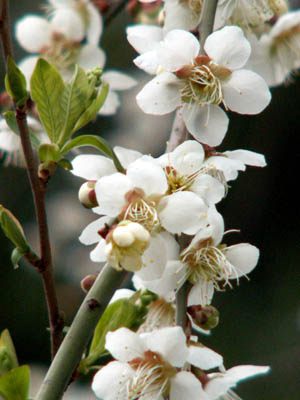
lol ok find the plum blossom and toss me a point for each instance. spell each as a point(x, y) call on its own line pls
point(147, 366)
point(276, 54)
point(141, 196)
point(206, 263)
point(58, 38)
point(199, 84)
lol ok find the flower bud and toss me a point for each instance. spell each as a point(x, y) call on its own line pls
point(205, 317)
point(126, 244)
point(87, 195)
point(88, 282)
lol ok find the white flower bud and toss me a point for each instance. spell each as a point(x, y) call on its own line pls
point(122, 236)
point(139, 231)
point(87, 195)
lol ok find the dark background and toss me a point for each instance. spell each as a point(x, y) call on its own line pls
point(260, 319)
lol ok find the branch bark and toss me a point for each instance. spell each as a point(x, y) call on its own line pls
point(73, 345)
point(38, 188)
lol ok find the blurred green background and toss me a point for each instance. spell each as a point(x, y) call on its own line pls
point(260, 319)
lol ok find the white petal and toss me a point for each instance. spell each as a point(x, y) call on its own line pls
point(90, 233)
point(124, 345)
point(182, 212)
point(246, 92)
point(247, 157)
point(187, 158)
point(95, 24)
point(178, 15)
point(9, 141)
point(27, 66)
point(110, 382)
point(228, 166)
point(111, 104)
point(126, 156)
point(186, 386)
point(242, 372)
point(179, 48)
point(110, 193)
point(92, 167)
point(118, 80)
point(69, 23)
point(170, 343)
point(161, 95)
point(154, 259)
point(147, 175)
point(208, 124)
point(98, 254)
point(228, 47)
point(243, 257)
point(203, 357)
point(144, 38)
point(149, 62)
point(201, 293)
point(33, 33)
point(208, 188)
point(122, 294)
point(219, 384)
point(91, 56)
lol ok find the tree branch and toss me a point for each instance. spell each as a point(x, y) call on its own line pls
point(85, 321)
point(38, 188)
point(115, 7)
point(207, 20)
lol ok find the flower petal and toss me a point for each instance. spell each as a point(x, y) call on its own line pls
point(98, 254)
point(33, 33)
point(118, 80)
point(110, 382)
point(208, 124)
point(148, 175)
point(208, 188)
point(203, 357)
point(186, 386)
point(124, 345)
point(126, 156)
point(111, 104)
point(246, 92)
point(187, 158)
point(170, 343)
point(92, 167)
point(95, 24)
point(161, 95)
point(144, 38)
point(247, 157)
point(201, 293)
point(182, 212)
point(228, 47)
point(243, 257)
point(68, 22)
point(90, 233)
point(91, 56)
point(179, 48)
point(110, 193)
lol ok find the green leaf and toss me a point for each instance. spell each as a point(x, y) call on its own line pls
point(47, 88)
point(74, 101)
point(15, 83)
point(8, 356)
point(11, 121)
point(92, 111)
point(93, 141)
point(15, 384)
point(121, 313)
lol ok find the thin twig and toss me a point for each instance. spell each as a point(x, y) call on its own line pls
point(83, 325)
point(181, 304)
point(207, 20)
point(38, 188)
point(179, 133)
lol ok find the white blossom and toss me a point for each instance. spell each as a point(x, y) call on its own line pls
point(147, 366)
point(199, 84)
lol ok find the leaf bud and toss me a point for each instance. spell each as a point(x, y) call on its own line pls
point(13, 229)
point(87, 195)
point(46, 170)
point(205, 317)
point(8, 357)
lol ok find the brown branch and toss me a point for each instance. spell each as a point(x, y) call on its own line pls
point(179, 133)
point(114, 8)
point(38, 188)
